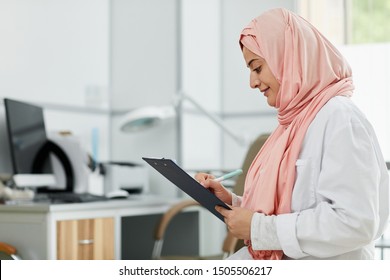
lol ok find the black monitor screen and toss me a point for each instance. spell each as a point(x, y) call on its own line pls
point(27, 134)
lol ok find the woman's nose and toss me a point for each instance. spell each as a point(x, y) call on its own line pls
point(254, 82)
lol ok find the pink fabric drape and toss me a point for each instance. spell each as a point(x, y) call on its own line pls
point(310, 71)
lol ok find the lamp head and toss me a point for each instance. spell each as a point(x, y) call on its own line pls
point(145, 118)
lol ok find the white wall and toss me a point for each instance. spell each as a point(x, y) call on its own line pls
point(201, 76)
point(201, 79)
point(143, 67)
point(143, 53)
point(55, 53)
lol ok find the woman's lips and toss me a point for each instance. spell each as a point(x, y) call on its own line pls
point(264, 91)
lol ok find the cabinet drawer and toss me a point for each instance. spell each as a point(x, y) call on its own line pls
point(88, 239)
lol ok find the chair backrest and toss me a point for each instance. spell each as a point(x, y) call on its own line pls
point(164, 222)
point(253, 150)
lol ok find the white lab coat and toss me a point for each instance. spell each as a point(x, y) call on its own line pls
point(340, 201)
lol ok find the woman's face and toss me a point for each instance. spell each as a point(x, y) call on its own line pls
point(261, 76)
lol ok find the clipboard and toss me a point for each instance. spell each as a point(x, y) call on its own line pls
point(170, 170)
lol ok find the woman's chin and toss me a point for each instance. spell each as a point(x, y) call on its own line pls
point(271, 103)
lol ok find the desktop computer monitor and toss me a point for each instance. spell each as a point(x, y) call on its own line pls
point(30, 150)
point(27, 135)
point(5, 155)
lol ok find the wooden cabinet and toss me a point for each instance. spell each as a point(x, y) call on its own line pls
point(113, 229)
point(88, 239)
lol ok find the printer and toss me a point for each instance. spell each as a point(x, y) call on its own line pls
point(131, 177)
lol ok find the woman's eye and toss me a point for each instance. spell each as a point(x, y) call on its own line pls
point(257, 70)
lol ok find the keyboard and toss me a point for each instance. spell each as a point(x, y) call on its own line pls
point(65, 197)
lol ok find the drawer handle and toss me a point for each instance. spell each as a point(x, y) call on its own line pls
point(86, 241)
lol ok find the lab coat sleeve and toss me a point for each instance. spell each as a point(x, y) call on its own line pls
point(263, 232)
point(345, 216)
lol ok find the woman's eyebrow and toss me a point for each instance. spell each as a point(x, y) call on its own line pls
point(250, 62)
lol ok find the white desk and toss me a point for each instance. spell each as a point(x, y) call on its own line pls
point(31, 227)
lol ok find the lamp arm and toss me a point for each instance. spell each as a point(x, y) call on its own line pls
point(215, 119)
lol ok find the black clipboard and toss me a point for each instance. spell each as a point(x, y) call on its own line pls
point(170, 170)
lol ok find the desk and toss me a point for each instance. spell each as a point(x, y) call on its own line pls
point(33, 227)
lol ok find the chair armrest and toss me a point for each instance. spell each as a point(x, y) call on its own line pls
point(167, 217)
point(7, 248)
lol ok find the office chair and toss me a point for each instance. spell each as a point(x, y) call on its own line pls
point(8, 252)
point(230, 244)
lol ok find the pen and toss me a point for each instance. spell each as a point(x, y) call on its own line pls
point(229, 175)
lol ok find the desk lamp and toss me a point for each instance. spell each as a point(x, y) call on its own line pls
point(148, 117)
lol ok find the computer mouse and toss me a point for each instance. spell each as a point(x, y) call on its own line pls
point(117, 194)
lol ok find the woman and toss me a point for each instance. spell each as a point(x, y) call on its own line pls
point(318, 189)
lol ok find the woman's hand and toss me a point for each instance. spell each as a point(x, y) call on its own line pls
point(238, 221)
point(207, 181)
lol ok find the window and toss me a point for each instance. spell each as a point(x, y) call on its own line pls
point(349, 21)
point(368, 21)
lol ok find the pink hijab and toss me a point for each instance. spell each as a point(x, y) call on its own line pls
point(310, 71)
